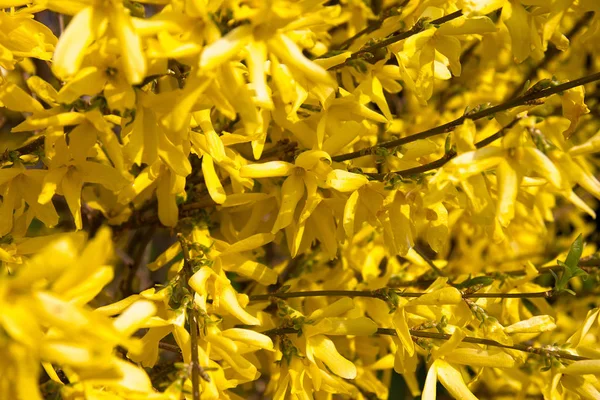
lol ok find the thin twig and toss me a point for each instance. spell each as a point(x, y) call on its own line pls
point(551, 54)
point(371, 27)
point(420, 26)
point(193, 321)
point(31, 147)
point(169, 347)
point(468, 339)
point(428, 260)
point(381, 294)
point(445, 158)
point(527, 99)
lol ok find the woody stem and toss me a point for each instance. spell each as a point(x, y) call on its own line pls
point(449, 126)
point(420, 26)
point(467, 339)
point(380, 294)
point(193, 321)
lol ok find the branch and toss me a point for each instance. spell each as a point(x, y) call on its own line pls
point(420, 26)
point(445, 158)
point(382, 294)
point(371, 27)
point(548, 351)
point(197, 371)
point(551, 54)
point(428, 260)
point(31, 147)
point(169, 347)
point(526, 99)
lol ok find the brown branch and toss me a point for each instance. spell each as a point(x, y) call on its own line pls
point(169, 347)
point(31, 147)
point(381, 294)
point(428, 260)
point(420, 26)
point(445, 158)
point(551, 54)
point(545, 351)
point(371, 27)
point(197, 370)
point(527, 99)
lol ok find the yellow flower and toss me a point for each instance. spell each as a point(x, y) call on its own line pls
point(310, 171)
point(91, 23)
point(20, 185)
point(22, 36)
point(69, 170)
point(52, 288)
point(435, 53)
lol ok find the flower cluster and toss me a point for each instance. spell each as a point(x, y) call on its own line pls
point(221, 199)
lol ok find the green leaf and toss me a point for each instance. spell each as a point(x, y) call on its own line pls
point(570, 267)
point(478, 280)
point(575, 253)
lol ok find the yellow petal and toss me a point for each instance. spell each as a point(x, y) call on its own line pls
point(447, 295)
point(165, 257)
point(212, 181)
point(585, 367)
point(450, 345)
point(249, 268)
point(482, 6)
point(226, 47)
point(73, 42)
point(108, 177)
point(517, 20)
point(344, 181)
point(541, 164)
point(402, 330)
point(119, 94)
point(64, 119)
point(349, 214)
point(51, 181)
point(42, 89)
point(174, 156)
point(68, 354)
point(134, 317)
point(291, 193)
point(361, 326)
point(250, 243)
point(230, 303)
point(249, 337)
point(573, 106)
point(480, 358)
point(132, 55)
point(325, 350)
point(257, 56)
point(88, 81)
point(132, 378)
point(591, 317)
point(179, 117)
point(467, 26)
point(477, 161)
point(539, 323)
point(508, 186)
point(71, 187)
point(452, 380)
point(430, 387)
point(335, 309)
point(267, 170)
point(285, 48)
point(168, 212)
point(16, 99)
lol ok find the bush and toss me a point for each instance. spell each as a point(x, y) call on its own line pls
point(295, 198)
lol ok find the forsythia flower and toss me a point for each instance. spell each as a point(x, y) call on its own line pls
point(307, 199)
point(52, 288)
